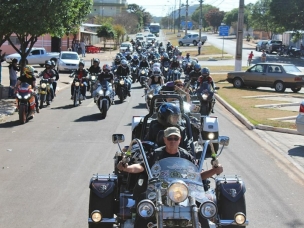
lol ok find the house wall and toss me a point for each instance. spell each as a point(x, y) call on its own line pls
point(287, 40)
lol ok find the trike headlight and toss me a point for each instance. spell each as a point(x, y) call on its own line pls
point(146, 208)
point(178, 191)
point(208, 209)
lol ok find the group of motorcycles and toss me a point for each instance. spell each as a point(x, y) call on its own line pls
point(176, 196)
point(290, 51)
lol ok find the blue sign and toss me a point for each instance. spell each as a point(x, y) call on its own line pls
point(190, 24)
point(223, 30)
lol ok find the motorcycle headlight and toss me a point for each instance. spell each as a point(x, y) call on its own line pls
point(239, 218)
point(143, 72)
point(27, 96)
point(96, 216)
point(178, 191)
point(100, 92)
point(146, 208)
point(204, 96)
point(208, 209)
point(150, 96)
point(210, 135)
point(77, 83)
point(18, 96)
point(121, 82)
point(166, 68)
point(93, 77)
point(43, 85)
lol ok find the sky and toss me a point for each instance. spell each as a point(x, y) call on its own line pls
point(162, 7)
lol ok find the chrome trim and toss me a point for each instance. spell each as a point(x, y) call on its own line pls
point(104, 220)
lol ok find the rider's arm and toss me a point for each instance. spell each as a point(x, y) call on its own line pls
point(134, 168)
point(209, 173)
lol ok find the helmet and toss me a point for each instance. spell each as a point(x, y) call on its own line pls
point(53, 63)
point(28, 71)
point(197, 67)
point(168, 43)
point(106, 68)
point(166, 56)
point(117, 57)
point(48, 63)
point(135, 57)
point(193, 63)
point(144, 58)
point(174, 59)
point(15, 61)
point(124, 63)
point(128, 53)
point(188, 54)
point(81, 62)
point(156, 71)
point(96, 60)
point(205, 71)
point(168, 114)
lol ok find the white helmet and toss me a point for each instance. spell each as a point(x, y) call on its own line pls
point(156, 71)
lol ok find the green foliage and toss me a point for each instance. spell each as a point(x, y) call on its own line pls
point(143, 17)
point(214, 18)
point(196, 15)
point(107, 32)
point(296, 37)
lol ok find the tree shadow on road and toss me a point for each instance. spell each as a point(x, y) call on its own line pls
point(297, 151)
point(89, 118)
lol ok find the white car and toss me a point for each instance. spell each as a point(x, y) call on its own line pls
point(68, 61)
point(126, 47)
point(139, 34)
point(300, 119)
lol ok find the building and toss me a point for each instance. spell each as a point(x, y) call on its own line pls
point(108, 8)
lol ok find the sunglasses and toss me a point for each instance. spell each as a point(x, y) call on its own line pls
point(173, 138)
point(179, 85)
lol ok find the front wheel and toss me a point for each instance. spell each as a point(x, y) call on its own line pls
point(295, 90)
point(237, 83)
point(22, 114)
point(42, 99)
point(279, 87)
point(104, 109)
point(194, 42)
point(180, 43)
point(122, 94)
point(75, 100)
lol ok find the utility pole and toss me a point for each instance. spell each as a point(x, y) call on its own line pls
point(179, 16)
point(239, 38)
point(186, 22)
point(201, 19)
point(174, 16)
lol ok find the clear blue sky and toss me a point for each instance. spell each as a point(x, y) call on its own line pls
point(162, 7)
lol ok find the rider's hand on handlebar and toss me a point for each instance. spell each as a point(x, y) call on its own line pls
point(121, 166)
point(219, 169)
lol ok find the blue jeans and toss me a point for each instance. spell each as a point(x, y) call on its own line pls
point(83, 52)
point(11, 88)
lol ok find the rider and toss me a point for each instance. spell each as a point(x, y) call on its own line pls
point(28, 77)
point(187, 58)
point(165, 58)
point(172, 139)
point(195, 74)
point(95, 68)
point(169, 46)
point(144, 63)
point(205, 77)
point(168, 115)
point(128, 56)
point(106, 74)
point(49, 73)
point(156, 77)
point(81, 73)
point(124, 70)
point(57, 76)
point(190, 68)
point(117, 61)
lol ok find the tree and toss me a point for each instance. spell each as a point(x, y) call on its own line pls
point(120, 32)
point(143, 17)
point(214, 17)
point(196, 15)
point(30, 19)
point(231, 17)
point(106, 31)
point(128, 21)
point(288, 14)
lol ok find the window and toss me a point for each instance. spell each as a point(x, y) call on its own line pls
point(69, 56)
point(274, 69)
point(257, 68)
point(14, 40)
point(35, 52)
point(291, 68)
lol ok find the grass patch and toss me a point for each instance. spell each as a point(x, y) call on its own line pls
point(224, 68)
point(246, 106)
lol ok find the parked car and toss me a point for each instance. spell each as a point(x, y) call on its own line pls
point(261, 45)
point(68, 61)
point(139, 34)
point(36, 56)
point(149, 39)
point(300, 119)
point(274, 75)
point(273, 45)
point(126, 46)
point(141, 38)
point(191, 38)
point(146, 30)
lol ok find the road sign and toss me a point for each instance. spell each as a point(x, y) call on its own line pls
point(190, 24)
point(223, 30)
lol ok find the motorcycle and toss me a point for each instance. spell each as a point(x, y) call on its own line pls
point(175, 74)
point(103, 97)
point(165, 70)
point(150, 92)
point(134, 72)
point(294, 52)
point(205, 94)
point(143, 76)
point(78, 84)
point(175, 194)
point(121, 87)
point(44, 92)
point(25, 102)
point(92, 80)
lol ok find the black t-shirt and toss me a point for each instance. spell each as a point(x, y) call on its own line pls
point(161, 153)
point(94, 69)
point(105, 76)
point(30, 81)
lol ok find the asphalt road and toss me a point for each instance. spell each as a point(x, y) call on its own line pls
point(47, 163)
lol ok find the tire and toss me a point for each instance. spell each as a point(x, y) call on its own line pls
point(75, 100)
point(91, 91)
point(180, 43)
point(42, 99)
point(104, 109)
point(256, 49)
point(122, 94)
point(295, 90)
point(227, 209)
point(41, 65)
point(105, 206)
point(22, 114)
point(204, 110)
point(194, 42)
point(279, 86)
point(238, 83)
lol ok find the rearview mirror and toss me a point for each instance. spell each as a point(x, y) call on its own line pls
point(118, 138)
point(223, 140)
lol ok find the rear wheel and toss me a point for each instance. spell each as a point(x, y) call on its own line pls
point(295, 90)
point(279, 86)
point(180, 43)
point(238, 83)
point(194, 42)
point(22, 114)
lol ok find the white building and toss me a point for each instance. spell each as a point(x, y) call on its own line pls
point(108, 8)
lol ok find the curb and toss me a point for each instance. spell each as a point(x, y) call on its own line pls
point(249, 125)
